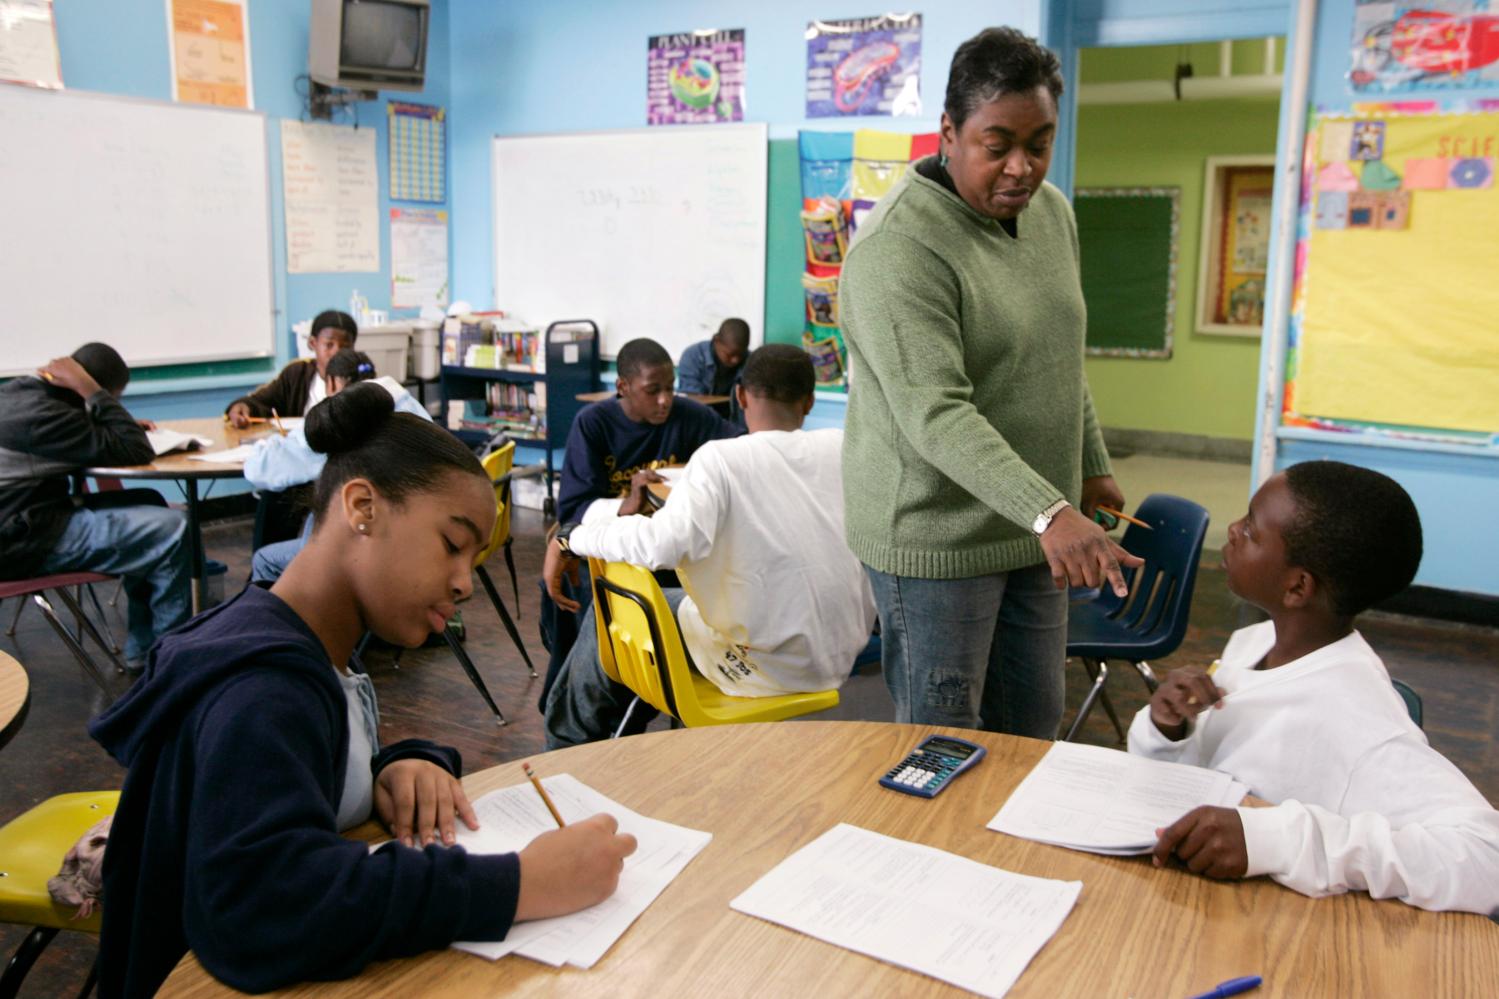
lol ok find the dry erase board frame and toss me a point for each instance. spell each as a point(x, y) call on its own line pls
point(69, 315)
point(1129, 242)
point(563, 207)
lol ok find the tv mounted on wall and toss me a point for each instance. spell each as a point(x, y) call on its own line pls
point(369, 45)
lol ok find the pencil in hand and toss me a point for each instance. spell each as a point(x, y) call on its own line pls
point(546, 799)
point(1124, 516)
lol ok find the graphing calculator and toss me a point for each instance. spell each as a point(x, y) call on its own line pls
point(932, 765)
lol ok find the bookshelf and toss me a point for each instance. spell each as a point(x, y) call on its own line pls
point(537, 406)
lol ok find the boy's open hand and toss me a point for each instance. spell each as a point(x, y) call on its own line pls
point(416, 799)
point(565, 870)
point(635, 501)
point(239, 415)
point(1208, 840)
point(1182, 696)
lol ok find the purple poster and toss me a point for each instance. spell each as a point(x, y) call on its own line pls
point(695, 78)
point(864, 66)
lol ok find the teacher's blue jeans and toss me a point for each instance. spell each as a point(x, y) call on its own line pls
point(985, 653)
point(147, 547)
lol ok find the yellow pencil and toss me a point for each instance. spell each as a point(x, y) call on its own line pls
point(546, 799)
point(1125, 516)
point(277, 421)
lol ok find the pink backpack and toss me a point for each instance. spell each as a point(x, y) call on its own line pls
point(81, 880)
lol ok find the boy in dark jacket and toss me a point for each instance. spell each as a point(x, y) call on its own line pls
point(67, 418)
point(302, 384)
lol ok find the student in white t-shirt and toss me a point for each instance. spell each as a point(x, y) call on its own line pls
point(1302, 711)
point(773, 600)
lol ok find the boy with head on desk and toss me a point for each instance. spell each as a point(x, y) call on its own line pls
point(775, 602)
point(67, 418)
point(303, 383)
point(710, 367)
point(1301, 710)
point(613, 450)
point(250, 747)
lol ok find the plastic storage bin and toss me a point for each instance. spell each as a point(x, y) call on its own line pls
point(426, 349)
point(389, 347)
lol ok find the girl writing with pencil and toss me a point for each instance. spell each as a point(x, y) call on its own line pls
point(250, 746)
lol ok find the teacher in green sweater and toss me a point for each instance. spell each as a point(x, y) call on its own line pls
point(972, 459)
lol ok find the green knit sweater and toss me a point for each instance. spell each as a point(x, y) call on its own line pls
point(969, 413)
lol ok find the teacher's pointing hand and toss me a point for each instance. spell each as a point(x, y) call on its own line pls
point(1081, 554)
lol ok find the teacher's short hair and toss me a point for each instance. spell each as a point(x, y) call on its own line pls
point(995, 62)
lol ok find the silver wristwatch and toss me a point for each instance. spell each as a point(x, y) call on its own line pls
point(1044, 518)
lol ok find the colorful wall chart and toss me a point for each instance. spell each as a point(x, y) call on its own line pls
point(864, 66)
point(695, 78)
point(210, 47)
point(416, 147)
point(1438, 44)
point(418, 258)
point(1395, 297)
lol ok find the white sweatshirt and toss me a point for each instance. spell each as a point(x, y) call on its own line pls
point(1366, 803)
point(776, 603)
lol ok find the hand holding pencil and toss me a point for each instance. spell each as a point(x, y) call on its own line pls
point(571, 867)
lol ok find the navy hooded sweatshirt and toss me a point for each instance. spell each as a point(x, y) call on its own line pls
point(237, 742)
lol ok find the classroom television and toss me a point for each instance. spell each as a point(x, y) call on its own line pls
point(369, 44)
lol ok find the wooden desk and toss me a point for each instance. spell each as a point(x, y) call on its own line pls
point(187, 473)
point(15, 697)
point(706, 400)
point(766, 790)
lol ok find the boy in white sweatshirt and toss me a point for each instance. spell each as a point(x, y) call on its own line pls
point(1303, 712)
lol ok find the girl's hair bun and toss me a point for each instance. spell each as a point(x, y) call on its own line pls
point(345, 421)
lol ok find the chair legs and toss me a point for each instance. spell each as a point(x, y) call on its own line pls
point(88, 626)
point(1098, 671)
point(15, 618)
point(74, 646)
point(93, 596)
point(499, 606)
point(21, 961)
point(473, 676)
point(634, 702)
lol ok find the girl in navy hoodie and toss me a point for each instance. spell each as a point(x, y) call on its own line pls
point(249, 748)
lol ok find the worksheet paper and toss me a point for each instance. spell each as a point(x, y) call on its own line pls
point(913, 906)
point(232, 456)
point(511, 817)
point(167, 441)
point(1107, 801)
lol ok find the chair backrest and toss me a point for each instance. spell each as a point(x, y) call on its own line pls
point(637, 625)
point(497, 465)
point(1412, 701)
point(606, 647)
point(1160, 591)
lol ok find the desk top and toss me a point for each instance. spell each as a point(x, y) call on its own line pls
point(706, 400)
point(767, 790)
point(15, 697)
point(178, 465)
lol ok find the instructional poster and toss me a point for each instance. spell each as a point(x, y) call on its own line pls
point(417, 170)
point(1424, 45)
point(332, 198)
point(418, 258)
point(28, 44)
point(864, 66)
point(210, 50)
point(1395, 297)
point(695, 78)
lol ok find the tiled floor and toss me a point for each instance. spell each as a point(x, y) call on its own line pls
point(1455, 668)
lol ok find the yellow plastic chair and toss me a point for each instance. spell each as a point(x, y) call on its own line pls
point(32, 847)
point(640, 646)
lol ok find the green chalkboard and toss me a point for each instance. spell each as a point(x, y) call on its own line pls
point(1128, 239)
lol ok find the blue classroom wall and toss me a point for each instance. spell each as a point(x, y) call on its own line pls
point(121, 47)
point(579, 65)
point(1453, 490)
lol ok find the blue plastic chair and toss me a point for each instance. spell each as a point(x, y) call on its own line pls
point(1151, 621)
point(1412, 702)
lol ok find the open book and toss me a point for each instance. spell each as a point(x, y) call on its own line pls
point(167, 441)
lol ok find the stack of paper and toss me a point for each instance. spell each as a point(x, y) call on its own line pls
point(914, 906)
point(1107, 801)
point(167, 441)
point(232, 456)
point(511, 817)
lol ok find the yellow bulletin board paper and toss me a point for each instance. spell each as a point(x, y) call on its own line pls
point(210, 49)
point(1401, 326)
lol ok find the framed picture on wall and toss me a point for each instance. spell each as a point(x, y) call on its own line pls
point(1236, 200)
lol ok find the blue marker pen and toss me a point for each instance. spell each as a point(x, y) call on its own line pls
point(1232, 987)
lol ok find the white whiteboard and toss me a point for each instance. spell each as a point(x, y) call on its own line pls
point(656, 232)
point(142, 224)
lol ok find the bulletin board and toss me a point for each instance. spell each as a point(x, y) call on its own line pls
point(1128, 238)
point(1395, 295)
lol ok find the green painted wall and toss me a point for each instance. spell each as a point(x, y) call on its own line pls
point(1208, 384)
point(1158, 62)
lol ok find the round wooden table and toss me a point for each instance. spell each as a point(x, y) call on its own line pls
point(187, 472)
point(15, 697)
point(764, 791)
